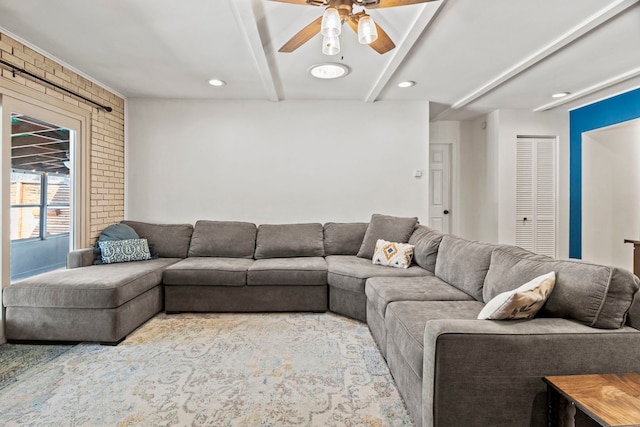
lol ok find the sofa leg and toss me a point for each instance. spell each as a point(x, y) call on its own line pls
point(113, 343)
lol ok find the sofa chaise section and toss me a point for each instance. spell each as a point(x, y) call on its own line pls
point(98, 303)
point(102, 303)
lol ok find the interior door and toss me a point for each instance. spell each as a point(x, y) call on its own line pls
point(440, 187)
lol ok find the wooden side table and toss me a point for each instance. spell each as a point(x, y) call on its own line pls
point(608, 399)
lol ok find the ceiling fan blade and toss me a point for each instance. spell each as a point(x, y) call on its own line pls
point(394, 3)
point(383, 43)
point(302, 37)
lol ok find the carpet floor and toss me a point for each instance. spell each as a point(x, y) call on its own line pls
point(215, 370)
point(18, 360)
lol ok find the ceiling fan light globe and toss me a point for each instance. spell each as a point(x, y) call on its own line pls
point(331, 24)
point(367, 31)
point(331, 45)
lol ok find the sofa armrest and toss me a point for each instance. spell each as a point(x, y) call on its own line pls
point(490, 372)
point(80, 258)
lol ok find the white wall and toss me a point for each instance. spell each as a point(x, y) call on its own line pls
point(270, 162)
point(488, 173)
point(520, 122)
point(611, 194)
point(474, 214)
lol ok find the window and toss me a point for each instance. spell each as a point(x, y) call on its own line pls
point(40, 205)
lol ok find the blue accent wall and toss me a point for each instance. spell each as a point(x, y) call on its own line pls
point(618, 109)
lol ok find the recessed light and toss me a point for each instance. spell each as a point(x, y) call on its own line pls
point(217, 82)
point(328, 71)
point(408, 83)
point(560, 94)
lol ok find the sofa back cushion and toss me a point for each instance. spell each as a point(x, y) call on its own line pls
point(167, 240)
point(426, 241)
point(343, 238)
point(595, 295)
point(389, 228)
point(223, 239)
point(289, 240)
point(464, 264)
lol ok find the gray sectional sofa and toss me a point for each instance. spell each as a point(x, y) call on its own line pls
point(451, 368)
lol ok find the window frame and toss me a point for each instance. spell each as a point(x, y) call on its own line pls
point(43, 207)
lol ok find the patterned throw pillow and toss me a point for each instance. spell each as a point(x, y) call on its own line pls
point(124, 250)
point(393, 254)
point(521, 303)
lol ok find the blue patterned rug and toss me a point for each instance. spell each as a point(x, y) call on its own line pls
point(216, 370)
point(19, 360)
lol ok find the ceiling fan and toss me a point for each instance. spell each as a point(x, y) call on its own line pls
point(336, 13)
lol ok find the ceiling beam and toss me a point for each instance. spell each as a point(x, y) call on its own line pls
point(594, 21)
point(422, 21)
point(591, 89)
point(247, 22)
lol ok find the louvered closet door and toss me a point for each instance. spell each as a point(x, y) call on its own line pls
point(536, 194)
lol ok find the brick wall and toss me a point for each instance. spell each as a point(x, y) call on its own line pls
point(106, 132)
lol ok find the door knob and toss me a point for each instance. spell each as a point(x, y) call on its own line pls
point(446, 212)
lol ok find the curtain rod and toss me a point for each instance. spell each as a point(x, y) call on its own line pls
point(15, 70)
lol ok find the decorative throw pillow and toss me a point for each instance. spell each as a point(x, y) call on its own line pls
point(521, 303)
point(124, 250)
point(393, 254)
point(112, 232)
point(390, 228)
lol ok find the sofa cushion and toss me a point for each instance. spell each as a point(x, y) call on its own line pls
point(596, 295)
point(464, 264)
point(405, 322)
point(288, 271)
point(168, 240)
point(426, 241)
point(391, 228)
point(350, 272)
point(227, 239)
point(114, 251)
point(212, 271)
point(289, 240)
point(381, 291)
point(343, 238)
point(393, 254)
point(95, 286)
point(524, 302)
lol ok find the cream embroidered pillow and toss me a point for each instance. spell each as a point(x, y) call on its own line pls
point(521, 303)
point(393, 254)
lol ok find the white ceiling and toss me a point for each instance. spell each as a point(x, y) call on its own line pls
point(467, 56)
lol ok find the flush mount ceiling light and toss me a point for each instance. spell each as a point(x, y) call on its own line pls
point(328, 71)
point(217, 82)
point(407, 83)
point(336, 13)
point(560, 94)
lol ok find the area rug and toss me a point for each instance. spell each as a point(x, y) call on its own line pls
point(18, 360)
point(216, 370)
